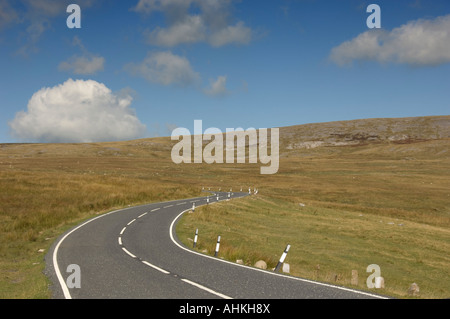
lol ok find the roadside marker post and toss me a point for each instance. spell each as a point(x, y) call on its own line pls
point(217, 246)
point(283, 256)
point(196, 237)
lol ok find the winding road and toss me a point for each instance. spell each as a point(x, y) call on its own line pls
point(134, 253)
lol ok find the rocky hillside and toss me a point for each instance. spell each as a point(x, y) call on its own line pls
point(360, 132)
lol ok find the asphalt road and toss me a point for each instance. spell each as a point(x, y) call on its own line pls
point(134, 253)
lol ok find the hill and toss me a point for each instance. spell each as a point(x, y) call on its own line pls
point(354, 179)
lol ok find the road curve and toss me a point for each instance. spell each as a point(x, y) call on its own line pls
point(134, 253)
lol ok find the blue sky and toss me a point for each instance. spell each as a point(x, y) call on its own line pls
point(141, 68)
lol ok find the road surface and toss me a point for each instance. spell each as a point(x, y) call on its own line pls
point(133, 253)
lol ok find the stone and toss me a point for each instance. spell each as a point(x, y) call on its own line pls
point(413, 290)
point(286, 268)
point(240, 261)
point(261, 264)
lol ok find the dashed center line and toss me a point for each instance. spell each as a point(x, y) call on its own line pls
point(126, 251)
point(158, 268)
point(155, 267)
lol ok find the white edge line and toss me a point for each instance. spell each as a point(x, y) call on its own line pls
point(206, 289)
point(64, 287)
point(62, 283)
point(156, 267)
point(261, 270)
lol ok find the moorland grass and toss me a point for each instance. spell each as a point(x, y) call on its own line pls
point(382, 203)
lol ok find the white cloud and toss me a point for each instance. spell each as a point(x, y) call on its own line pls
point(77, 111)
point(86, 64)
point(83, 64)
point(419, 43)
point(194, 21)
point(231, 34)
point(218, 87)
point(190, 30)
point(165, 68)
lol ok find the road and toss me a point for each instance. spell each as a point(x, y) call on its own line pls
point(133, 253)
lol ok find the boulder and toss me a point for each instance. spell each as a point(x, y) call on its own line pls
point(413, 290)
point(261, 264)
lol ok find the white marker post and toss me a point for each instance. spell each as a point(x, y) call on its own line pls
point(283, 256)
point(217, 246)
point(207, 200)
point(193, 207)
point(196, 237)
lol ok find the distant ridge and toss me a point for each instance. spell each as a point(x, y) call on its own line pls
point(364, 131)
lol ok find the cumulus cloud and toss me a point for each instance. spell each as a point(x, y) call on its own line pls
point(165, 68)
point(77, 111)
point(419, 43)
point(238, 33)
point(85, 64)
point(193, 21)
point(218, 87)
point(189, 30)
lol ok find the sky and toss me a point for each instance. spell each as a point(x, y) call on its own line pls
point(141, 68)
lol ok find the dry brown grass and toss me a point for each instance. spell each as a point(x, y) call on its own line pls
point(46, 188)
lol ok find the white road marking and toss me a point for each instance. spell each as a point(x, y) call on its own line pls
point(257, 269)
point(126, 251)
point(120, 241)
point(156, 267)
point(206, 289)
point(142, 215)
point(168, 206)
point(131, 222)
point(61, 280)
point(123, 230)
point(154, 210)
